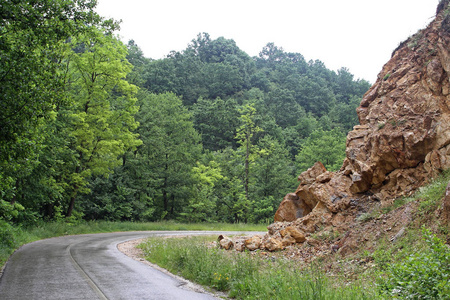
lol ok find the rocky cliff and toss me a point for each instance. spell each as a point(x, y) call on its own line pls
point(404, 134)
point(403, 140)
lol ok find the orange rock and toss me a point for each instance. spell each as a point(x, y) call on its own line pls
point(290, 209)
point(288, 240)
point(253, 243)
point(293, 232)
point(225, 242)
point(273, 244)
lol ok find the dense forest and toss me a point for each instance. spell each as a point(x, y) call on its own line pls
point(92, 129)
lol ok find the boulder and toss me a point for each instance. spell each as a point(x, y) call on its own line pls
point(253, 243)
point(225, 242)
point(297, 235)
point(276, 227)
point(287, 240)
point(290, 209)
point(273, 244)
point(310, 175)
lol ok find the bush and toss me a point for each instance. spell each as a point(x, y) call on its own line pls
point(422, 275)
point(6, 234)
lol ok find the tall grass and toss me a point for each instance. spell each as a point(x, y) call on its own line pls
point(246, 275)
point(11, 238)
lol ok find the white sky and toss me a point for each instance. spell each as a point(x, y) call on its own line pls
point(357, 34)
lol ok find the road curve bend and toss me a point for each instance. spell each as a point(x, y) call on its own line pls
point(90, 266)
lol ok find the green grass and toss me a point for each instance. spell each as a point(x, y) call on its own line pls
point(418, 269)
point(11, 238)
point(248, 275)
point(428, 197)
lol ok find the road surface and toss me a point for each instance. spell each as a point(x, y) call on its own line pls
point(89, 267)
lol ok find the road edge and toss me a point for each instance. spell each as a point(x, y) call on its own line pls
point(129, 248)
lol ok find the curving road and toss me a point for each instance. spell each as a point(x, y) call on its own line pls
point(89, 267)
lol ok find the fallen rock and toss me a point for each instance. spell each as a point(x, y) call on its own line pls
point(288, 240)
point(276, 227)
point(310, 175)
point(253, 243)
point(290, 209)
point(348, 248)
point(273, 244)
point(297, 235)
point(225, 242)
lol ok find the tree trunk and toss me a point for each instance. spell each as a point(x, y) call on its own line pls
point(165, 198)
point(247, 156)
point(72, 202)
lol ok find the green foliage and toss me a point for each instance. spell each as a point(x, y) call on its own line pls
point(271, 179)
point(162, 167)
point(8, 211)
point(33, 39)
point(216, 121)
point(328, 147)
point(7, 239)
point(211, 133)
point(423, 274)
point(430, 195)
point(203, 199)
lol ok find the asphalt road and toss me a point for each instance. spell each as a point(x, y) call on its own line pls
point(89, 267)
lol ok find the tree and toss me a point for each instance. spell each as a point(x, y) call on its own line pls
point(136, 58)
point(232, 204)
point(170, 149)
point(344, 115)
point(244, 136)
point(33, 44)
point(216, 121)
point(328, 147)
point(202, 204)
point(102, 109)
point(271, 179)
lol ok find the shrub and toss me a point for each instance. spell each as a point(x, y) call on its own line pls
point(6, 234)
point(421, 275)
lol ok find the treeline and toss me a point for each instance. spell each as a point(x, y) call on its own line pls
point(92, 129)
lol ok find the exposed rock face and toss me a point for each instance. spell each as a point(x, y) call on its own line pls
point(403, 139)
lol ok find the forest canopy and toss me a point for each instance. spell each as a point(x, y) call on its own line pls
point(90, 128)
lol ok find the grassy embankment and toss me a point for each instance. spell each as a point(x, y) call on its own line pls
point(16, 237)
point(417, 266)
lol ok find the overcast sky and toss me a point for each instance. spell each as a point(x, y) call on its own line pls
point(357, 34)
